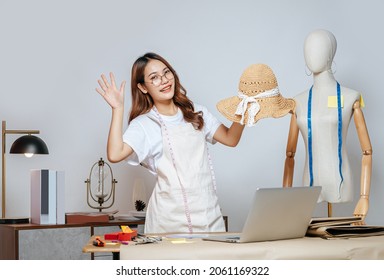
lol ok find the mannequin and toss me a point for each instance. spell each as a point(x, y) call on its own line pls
point(322, 116)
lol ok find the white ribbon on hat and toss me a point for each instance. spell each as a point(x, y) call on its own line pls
point(255, 106)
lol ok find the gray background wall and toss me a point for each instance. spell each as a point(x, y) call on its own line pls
point(52, 53)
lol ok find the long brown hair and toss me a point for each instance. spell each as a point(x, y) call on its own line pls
point(142, 103)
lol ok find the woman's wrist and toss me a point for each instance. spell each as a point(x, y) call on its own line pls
point(119, 108)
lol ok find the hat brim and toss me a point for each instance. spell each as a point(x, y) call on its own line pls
point(270, 107)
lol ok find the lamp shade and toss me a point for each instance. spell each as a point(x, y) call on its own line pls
point(29, 144)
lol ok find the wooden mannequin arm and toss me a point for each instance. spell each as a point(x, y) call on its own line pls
point(366, 163)
point(289, 164)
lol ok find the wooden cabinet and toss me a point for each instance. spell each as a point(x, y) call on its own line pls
point(52, 242)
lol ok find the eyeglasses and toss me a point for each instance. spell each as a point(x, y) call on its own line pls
point(156, 80)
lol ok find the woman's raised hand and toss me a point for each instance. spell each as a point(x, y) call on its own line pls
point(109, 91)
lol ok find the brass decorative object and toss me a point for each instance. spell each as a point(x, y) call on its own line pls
point(100, 186)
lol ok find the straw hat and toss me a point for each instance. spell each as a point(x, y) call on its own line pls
point(258, 97)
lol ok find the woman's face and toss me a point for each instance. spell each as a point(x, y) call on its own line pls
point(158, 81)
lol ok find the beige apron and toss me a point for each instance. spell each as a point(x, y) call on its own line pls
point(184, 198)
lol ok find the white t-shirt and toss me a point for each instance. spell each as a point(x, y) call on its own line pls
point(144, 135)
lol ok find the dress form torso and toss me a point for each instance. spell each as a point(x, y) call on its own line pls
point(325, 145)
point(319, 50)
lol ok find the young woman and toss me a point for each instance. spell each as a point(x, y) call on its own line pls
point(167, 133)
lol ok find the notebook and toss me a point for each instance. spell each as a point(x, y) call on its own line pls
point(275, 214)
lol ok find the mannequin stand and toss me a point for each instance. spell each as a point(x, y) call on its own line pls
point(329, 209)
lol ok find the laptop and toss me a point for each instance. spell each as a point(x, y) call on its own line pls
point(276, 214)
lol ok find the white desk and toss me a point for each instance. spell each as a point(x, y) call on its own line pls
point(309, 248)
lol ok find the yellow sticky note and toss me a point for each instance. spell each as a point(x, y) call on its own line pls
point(126, 229)
point(180, 241)
point(332, 101)
point(362, 104)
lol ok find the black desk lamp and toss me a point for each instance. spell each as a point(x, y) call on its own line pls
point(27, 145)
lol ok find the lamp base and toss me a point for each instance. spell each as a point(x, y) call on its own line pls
point(10, 221)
